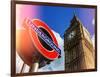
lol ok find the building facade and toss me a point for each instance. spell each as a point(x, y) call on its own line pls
point(78, 47)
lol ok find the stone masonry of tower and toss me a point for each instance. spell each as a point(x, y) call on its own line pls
point(78, 47)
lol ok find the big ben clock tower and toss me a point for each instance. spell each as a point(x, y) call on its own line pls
point(78, 47)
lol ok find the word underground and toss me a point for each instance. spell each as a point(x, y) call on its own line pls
point(43, 36)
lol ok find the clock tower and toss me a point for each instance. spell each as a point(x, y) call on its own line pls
point(78, 47)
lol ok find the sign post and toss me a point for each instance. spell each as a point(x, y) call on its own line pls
point(34, 67)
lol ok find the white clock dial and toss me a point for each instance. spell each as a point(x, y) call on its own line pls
point(71, 35)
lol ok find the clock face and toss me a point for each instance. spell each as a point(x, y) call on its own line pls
point(71, 35)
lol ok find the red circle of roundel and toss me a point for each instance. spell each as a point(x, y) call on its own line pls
point(46, 53)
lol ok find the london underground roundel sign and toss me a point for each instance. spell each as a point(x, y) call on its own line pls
point(40, 41)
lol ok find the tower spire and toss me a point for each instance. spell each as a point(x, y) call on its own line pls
point(74, 13)
point(74, 17)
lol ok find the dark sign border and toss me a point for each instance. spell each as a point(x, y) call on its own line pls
point(13, 35)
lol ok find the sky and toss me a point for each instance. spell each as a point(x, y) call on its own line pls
point(58, 19)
